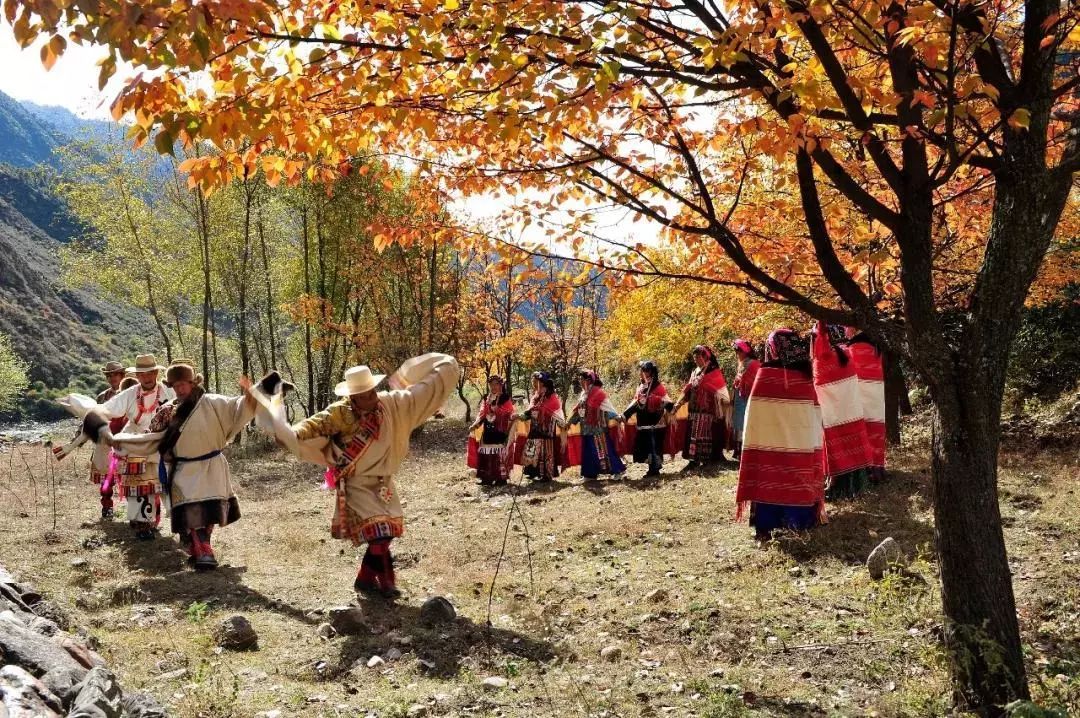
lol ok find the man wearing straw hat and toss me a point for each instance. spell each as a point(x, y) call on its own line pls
point(363, 438)
point(138, 474)
point(114, 374)
point(195, 428)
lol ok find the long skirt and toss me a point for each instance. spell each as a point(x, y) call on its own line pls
point(766, 518)
point(491, 464)
point(705, 437)
point(649, 447)
point(599, 456)
point(847, 485)
point(540, 458)
point(738, 417)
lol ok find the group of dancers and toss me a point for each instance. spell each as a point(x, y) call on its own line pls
point(804, 424)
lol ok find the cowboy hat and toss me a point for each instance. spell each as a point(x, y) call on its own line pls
point(358, 379)
point(145, 362)
point(113, 367)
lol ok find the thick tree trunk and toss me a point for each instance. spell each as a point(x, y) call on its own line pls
point(983, 633)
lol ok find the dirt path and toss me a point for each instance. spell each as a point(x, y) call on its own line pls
point(697, 620)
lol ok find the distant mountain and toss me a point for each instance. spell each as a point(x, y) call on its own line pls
point(25, 140)
point(70, 125)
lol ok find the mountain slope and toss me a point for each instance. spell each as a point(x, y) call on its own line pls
point(62, 333)
point(25, 140)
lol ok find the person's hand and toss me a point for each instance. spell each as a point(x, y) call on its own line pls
point(245, 384)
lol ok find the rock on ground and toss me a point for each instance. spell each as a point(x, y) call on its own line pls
point(99, 696)
point(885, 556)
point(495, 683)
point(347, 620)
point(23, 696)
point(236, 634)
point(438, 610)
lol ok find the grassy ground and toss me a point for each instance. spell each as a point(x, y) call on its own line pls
point(795, 628)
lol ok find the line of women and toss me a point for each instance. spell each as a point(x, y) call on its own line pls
point(805, 424)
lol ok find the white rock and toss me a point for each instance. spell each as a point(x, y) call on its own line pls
point(611, 653)
point(375, 662)
point(495, 683)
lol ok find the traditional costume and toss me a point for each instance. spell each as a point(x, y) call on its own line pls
point(494, 435)
point(780, 475)
point(364, 450)
point(649, 412)
point(846, 445)
point(867, 360)
point(540, 446)
point(706, 395)
point(193, 471)
point(743, 383)
point(597, 421)
point(135, 474)
point(100, 455)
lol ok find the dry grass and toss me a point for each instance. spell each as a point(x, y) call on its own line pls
point(795, 628)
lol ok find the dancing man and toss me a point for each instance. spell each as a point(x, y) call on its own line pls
point(363, 438)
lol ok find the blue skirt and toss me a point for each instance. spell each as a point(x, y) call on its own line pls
point(769, 517)
point(598, 456)
point(738, 415)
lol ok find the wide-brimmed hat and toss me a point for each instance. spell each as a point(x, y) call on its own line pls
point(184, 360)
point(145, 362)
point(181, 371)
point(358, 379)
point(113, 367)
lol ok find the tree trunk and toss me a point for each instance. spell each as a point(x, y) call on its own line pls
point(308, 355)
point(272, 337)
point(895, 397)
point(204, 235)
point(983, 633)
point(468, 406)
point(245, 257)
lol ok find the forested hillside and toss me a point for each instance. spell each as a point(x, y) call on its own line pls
point(62, 333)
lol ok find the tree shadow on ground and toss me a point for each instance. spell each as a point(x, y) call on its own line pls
point(164, 578)
point(717, 470)
point(440, 648)
point(897, 507)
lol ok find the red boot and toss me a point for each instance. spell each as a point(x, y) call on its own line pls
point(201, 551)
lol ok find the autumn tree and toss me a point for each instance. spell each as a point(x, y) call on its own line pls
point(788, 146)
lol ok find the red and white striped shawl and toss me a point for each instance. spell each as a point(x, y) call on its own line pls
point(781, 454)
point(872, 391)
point(847, 446)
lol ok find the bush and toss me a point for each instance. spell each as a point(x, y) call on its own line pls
point(1045, 358)
point(12, 375)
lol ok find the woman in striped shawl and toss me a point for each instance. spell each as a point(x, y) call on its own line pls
point(541, 453)
point(707, 396)
point(595, 411)
point(780, 475)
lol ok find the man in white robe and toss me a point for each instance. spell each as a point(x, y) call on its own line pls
point(195, 428)
point(137, 475)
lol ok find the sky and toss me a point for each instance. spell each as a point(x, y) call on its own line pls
point(72, 82)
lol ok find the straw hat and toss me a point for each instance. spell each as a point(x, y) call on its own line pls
point(113, 367)
point(358, 379)
point(145, 362)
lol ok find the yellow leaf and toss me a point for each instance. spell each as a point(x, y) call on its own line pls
point(1020, 118)
point(451, 4)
